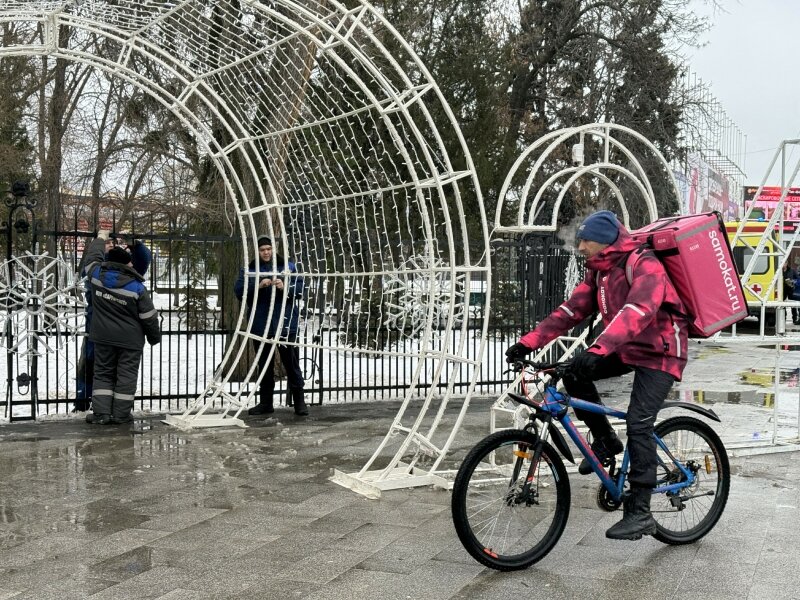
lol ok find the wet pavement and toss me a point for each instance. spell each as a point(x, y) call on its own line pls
point(147, 511)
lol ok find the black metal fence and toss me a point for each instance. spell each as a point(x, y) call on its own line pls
point(528, 282)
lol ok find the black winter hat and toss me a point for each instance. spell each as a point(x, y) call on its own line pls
point(264, 241)
point(119, 255)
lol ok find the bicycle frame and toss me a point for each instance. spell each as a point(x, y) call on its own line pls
point(555, 405)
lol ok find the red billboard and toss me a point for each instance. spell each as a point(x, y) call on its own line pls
point(767, 201)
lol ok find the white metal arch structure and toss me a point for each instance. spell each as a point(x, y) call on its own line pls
point(533, 162)
point(315, 126)
point(775, 244)
point(542, 165)
point(781, 242)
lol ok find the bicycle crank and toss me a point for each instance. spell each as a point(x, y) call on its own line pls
point(606, 501)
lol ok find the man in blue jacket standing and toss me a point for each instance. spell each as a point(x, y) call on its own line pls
point(275, 320)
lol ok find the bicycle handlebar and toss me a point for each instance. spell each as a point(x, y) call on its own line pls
point(558, 367)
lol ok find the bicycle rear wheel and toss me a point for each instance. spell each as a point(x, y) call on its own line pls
point(687, 515)
point(497, 525)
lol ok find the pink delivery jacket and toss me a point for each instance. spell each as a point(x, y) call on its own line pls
point(644, 322)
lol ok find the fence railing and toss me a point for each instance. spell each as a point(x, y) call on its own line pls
point(528, 282)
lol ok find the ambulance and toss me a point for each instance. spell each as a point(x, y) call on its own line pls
point(765, 267)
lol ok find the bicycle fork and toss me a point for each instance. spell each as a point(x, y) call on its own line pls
point(535, 455)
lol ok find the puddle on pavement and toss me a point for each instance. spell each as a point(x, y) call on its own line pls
point(142, 425)
point(106, 520)
point(126, 565)
point(750, 397)
point(766, 377)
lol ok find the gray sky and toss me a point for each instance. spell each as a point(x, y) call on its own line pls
point(750, 63)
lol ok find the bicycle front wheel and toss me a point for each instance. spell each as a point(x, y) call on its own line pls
point(500, 524)
point(684, 516)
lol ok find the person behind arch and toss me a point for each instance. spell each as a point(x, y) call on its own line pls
point(141, 258)
point(791, 289)
point(276, 279)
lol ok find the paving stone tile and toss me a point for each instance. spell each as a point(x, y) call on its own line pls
point(121, 542)
point(181, 594)
point(774, 591)
point(64, 589)
point(181, 519)
point(279, 589)
point(321, 567)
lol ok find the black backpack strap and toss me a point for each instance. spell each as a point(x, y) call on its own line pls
point(630, 262)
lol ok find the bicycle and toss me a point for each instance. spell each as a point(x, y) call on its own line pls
point(511, 495)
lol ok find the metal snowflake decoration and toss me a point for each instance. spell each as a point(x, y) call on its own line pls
point(572, 275)
point(41, 304)
point(423, 291)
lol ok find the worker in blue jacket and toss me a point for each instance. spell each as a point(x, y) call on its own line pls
point(141, 258)
point(123, 316)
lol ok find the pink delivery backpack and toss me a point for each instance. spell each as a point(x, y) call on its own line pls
point(697, 257)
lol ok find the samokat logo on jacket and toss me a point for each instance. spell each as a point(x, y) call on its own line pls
point(603, 305)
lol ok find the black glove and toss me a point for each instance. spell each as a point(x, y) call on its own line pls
point(517, 352)
point(584, 364)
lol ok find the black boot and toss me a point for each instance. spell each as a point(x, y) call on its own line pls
point(101, 410)
point(264, 406)
point(261, 408)
point(604, 449)
point(637, 520)
point(299, 402)
point(121, 411)
point(98, 419)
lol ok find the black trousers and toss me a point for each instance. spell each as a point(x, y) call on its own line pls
point(290, 357)
point(650, 390)
point(115, 373)
point(795, 312)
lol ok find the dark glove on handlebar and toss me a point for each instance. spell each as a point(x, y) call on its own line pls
point(517, 352)
point(585, 364)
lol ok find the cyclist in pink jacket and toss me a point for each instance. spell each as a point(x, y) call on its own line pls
point(645, 332)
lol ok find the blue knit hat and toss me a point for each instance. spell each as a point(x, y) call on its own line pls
point(602, 227)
